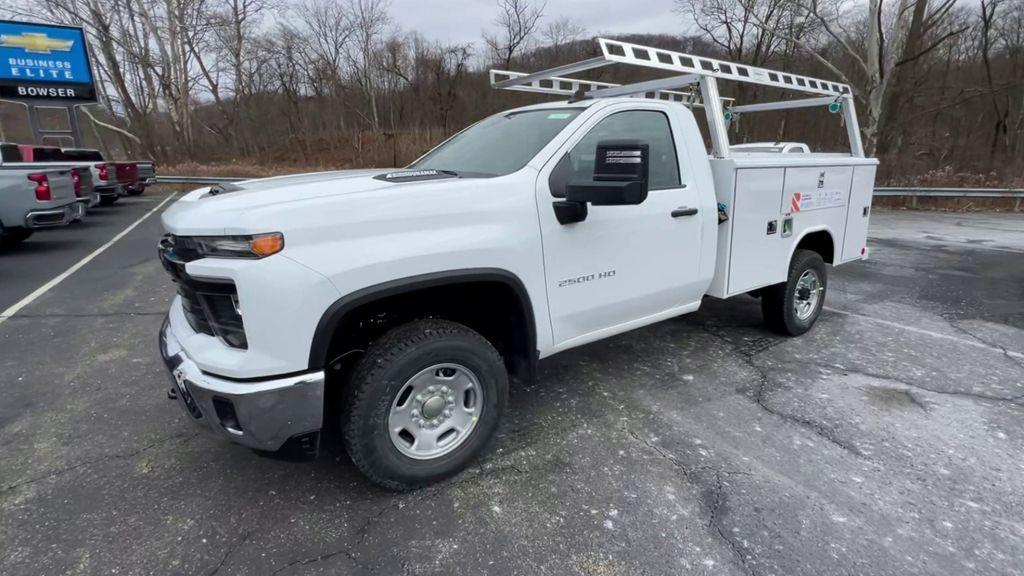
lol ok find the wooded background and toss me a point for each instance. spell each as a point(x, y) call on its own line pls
point(253, 87)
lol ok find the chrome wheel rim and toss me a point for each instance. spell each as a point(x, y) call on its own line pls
point(808, 291)
point(435, 411)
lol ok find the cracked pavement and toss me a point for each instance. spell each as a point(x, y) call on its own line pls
point(888, 440)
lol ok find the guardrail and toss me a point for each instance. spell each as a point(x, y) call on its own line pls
point(914, 193)
point(196, 179)
point(951, 192)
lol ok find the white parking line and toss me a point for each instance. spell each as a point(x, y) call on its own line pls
point(46, 287)
point(976, 344)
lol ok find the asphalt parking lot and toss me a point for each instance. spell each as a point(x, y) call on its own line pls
point(889, 440)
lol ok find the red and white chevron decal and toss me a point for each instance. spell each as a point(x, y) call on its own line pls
point(795, 204)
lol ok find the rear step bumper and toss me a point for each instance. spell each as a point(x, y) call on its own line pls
point(262, 414)
point(50, 217)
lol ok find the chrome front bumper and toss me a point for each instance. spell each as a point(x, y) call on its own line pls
point(260, 414)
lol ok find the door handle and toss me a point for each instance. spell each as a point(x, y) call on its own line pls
point(683, 211)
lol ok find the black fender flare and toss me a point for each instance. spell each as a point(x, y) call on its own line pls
point(334, 315)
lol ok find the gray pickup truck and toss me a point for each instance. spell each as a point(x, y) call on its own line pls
point(32, 199)
point(104, 174)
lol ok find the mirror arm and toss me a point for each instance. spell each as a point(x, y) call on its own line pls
point(569, 212)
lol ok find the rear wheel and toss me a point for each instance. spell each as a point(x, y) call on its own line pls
point(108, 200)
point(135, 190)
point(11, 236)
point(792, 307)
point(422, 403)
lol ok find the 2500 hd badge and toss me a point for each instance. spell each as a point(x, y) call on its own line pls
point(586, 278)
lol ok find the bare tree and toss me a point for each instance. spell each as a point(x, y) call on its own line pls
point(517, 23)
point(563, 30)
point(369, 22)
point(909, 31)
point(742, 29)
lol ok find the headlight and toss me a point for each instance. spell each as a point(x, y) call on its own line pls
point(254, 246)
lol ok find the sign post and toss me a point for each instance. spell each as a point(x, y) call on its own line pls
point(46, 66)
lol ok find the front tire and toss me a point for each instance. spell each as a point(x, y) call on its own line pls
point(422, 403)
point(792, 307)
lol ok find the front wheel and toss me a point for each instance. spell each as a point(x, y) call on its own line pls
point(422, 403)
point(792, 307)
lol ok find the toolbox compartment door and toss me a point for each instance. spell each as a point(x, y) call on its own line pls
point(859, 212)
point(757, 248)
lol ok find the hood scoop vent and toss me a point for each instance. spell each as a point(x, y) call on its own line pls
point(415, 175)
point(218, 189)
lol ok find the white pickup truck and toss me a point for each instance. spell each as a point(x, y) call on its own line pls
point(399, 303)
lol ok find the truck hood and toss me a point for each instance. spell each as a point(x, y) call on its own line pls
point(225, 209)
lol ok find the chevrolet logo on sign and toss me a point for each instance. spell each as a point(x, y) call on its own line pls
point(35, 43)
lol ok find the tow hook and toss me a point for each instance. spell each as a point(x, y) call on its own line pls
point(172, 394)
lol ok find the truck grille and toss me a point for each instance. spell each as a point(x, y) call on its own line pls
point(211, 307)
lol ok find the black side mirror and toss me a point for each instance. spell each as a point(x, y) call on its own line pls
point(620, 178)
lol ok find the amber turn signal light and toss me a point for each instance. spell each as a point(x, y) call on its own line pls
point(266, 244)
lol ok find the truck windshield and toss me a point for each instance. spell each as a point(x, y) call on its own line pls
point(498, 145)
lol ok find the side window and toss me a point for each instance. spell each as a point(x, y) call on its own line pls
point(643, 125)
point(10, 153)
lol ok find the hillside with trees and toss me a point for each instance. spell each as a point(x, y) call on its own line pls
point(334, 83)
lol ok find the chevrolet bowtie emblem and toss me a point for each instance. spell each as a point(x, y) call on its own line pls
point(35, 43)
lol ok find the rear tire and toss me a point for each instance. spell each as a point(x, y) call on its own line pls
point(135, 191)
point(792, 307)
point(408, 395)
point(108, 200)
point(12, 236)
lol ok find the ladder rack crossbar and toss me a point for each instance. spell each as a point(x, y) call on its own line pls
point(560, 86)
point(552, 73)
point(785, 104)
point(637, 55)
point(648, 86)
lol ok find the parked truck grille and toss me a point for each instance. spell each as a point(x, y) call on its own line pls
point(210, 307)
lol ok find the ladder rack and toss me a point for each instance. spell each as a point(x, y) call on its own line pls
point(697, 76)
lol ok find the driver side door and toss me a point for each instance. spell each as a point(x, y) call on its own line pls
point(623, 266)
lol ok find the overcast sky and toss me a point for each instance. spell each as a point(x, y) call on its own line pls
point(464, 20)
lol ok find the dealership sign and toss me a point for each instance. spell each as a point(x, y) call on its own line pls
point(44, 62)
